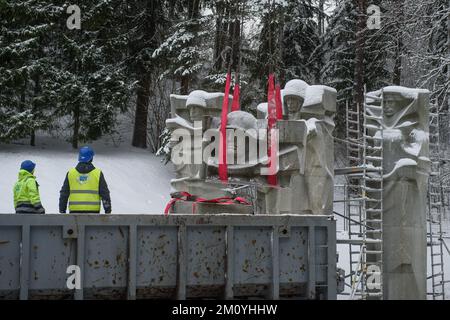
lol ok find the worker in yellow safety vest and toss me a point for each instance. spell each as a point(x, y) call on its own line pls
point(26, 190)
point(85, 187)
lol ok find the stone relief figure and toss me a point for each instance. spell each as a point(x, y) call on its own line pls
point(306, 151)
point(405, 173)
point(242, 147)
point(318, 112)
point(284, 198)
point(188, 121)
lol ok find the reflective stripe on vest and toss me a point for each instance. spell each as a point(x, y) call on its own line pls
point(84, 190)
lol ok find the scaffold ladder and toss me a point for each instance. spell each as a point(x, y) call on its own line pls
point(367, 281)
point(435, 211)
point(373, 195)
point(354, 192)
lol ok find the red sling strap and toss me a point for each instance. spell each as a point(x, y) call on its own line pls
point(271, 121)
point(185, 196)
point(236, 95)
point(223, 175)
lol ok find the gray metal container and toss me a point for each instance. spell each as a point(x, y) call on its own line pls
point(175, 256)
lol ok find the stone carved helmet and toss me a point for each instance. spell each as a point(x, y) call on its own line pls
point(242, 120)
point(294, 94)
point(196, 104)
point(244, 125)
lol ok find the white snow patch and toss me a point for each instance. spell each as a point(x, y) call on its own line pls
point(241, 119)
point(311, 125)
point(389, 134)
point(419, 135)
point(180, 122)
point(410, 93)
point(413, 148)
point(399, 164)
point(262, 107)
point(197, 98)
point(406, 124)
point(314, 94)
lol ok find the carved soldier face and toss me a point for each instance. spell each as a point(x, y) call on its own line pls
point(394, 107)
point(196, 113)
point(391, 106)
point(293, 104)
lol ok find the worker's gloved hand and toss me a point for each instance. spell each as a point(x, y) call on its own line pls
point(107, 207)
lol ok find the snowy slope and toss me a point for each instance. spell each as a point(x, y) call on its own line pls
point(138, 181)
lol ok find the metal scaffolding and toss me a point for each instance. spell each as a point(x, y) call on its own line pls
point(363, 211)
point(436, 211)
point(363, 199)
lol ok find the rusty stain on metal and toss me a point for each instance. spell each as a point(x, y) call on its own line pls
point(121, 232)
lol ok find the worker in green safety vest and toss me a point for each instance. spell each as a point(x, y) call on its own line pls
point(84, 187)
point(26, 190)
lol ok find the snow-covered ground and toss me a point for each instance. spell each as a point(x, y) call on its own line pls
point(139, 182)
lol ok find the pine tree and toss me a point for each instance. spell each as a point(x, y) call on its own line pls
point(184, 52)
point(300, 40)
point(353, 60)
point(339, 56)
point(288, 42)
point(25, 104)
point(89, 81)
point(269, 55)
point(146, 25)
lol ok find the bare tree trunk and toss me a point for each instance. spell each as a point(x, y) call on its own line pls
point(140, 120)
point(143, 74)
point(358, 88)
point(76, 126)
point(220, 36)
point(321, 17)
point(397, 73)
point(399, 13)
point(184, 85)
point(37, 90)
point(32, 138)
point(234, 34)
point(448, 65)
point(193, 14)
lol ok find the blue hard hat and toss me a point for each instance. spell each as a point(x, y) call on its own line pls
point(86, 154)
point(28, 165)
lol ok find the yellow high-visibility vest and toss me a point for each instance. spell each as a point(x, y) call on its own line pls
point(84, 191)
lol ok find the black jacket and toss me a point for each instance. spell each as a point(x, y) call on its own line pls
point(103, 189)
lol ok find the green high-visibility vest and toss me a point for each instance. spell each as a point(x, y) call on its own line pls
point(84, 191)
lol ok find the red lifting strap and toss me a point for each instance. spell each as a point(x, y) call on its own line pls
point(223, 175)
point(185, 196)
point(236, 95)
point(271, 121)
point(278, 103)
